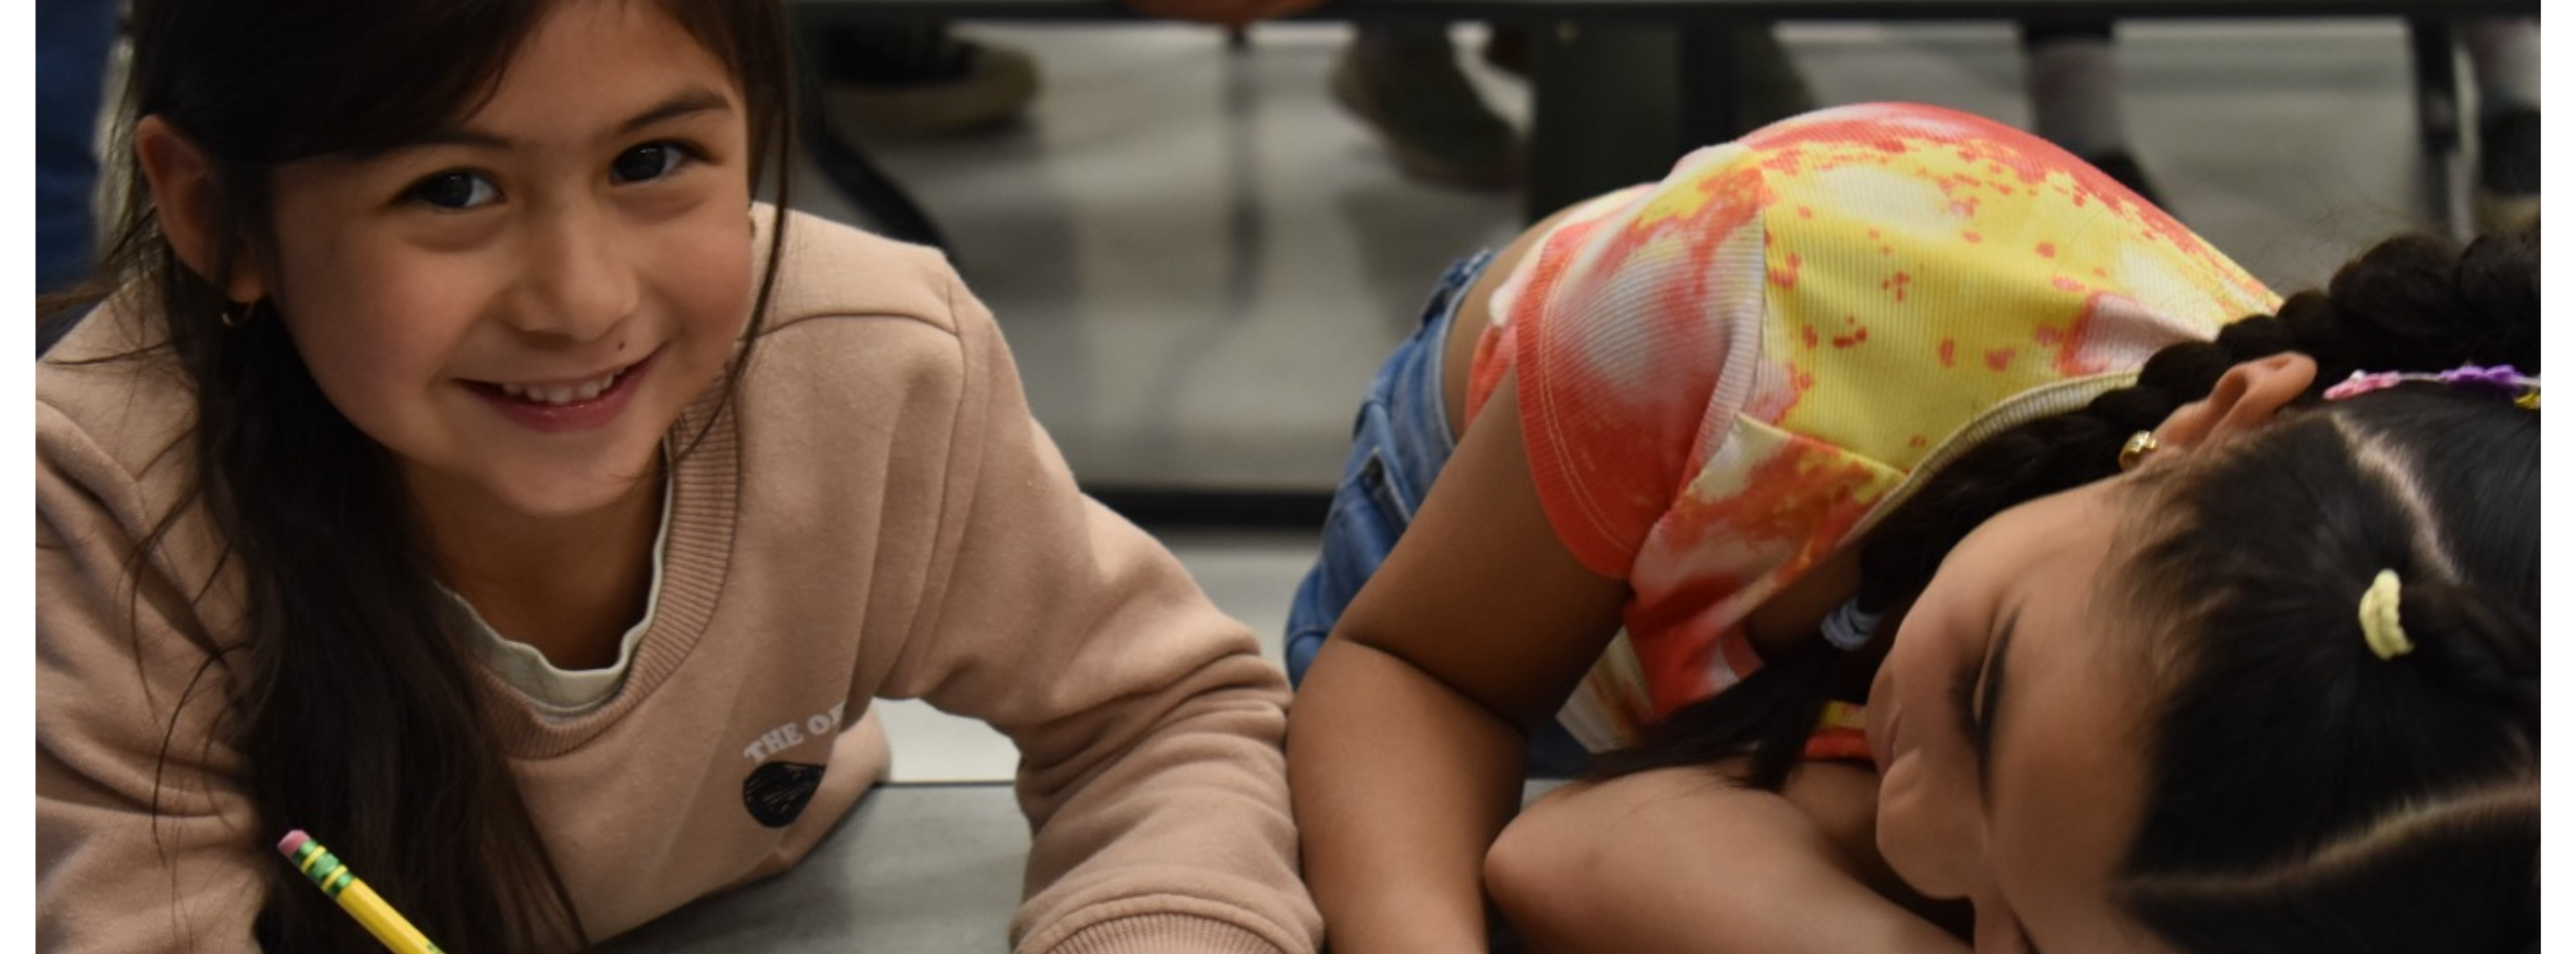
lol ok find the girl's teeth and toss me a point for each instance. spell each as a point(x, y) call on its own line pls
point(559, 394)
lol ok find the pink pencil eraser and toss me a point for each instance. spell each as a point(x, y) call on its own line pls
point(293, 840)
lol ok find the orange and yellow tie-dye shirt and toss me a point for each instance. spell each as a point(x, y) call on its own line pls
point(1723, 374)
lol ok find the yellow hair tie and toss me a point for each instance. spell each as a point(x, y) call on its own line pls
point(2379, 618)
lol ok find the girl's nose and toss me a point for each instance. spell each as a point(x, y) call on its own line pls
point(577, 281)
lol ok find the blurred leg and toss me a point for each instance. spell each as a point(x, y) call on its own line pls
point(2504, 56)
point(919, 79)
point(2072, 74)
point(1404, 80)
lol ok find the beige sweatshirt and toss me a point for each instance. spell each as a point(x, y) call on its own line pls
point(881, 518)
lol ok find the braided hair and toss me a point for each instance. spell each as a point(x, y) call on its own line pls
point(2417, 777)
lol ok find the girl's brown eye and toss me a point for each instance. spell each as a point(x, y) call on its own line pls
point(455, 190)
point(646, 162)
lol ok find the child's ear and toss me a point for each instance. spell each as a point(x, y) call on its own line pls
point(2246, 397)
point(184, 195)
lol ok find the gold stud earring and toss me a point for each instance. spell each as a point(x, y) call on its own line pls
point(2136, 448)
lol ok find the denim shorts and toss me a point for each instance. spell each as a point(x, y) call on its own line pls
point(1398, 446)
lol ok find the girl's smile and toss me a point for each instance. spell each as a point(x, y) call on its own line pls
point(565, 404)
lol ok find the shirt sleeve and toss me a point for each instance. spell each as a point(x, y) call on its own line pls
point(1635, 329)
point(145, 840)
point(1148, 723)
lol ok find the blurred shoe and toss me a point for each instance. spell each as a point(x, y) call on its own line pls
point(2508, 192)
point(2124, 169)
point(1507, 48)
point(1431, 119)
point(918, 80)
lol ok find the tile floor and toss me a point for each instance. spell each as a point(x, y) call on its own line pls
point(1199, 259)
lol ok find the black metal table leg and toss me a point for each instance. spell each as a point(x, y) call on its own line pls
point(2437, 122)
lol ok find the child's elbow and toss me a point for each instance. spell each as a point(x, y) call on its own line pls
point(1535, 872)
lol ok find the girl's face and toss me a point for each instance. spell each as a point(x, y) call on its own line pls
point(2008, 723)
point(520, 305)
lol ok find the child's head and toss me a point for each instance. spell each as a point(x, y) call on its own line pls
point(419, 256)
point(2155, 702)
point(2382, 797)
point(2190, 732)
point(462, 217)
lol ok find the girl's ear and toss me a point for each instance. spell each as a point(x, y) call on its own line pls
point(2246, 397)
point(184, 196)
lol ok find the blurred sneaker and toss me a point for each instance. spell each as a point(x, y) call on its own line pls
point(2123, 168)
point(2508, 192)
point(1507, 48)
point(918, 80)
point(1431, 118)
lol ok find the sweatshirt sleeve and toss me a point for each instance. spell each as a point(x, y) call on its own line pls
point(144, 839)
point(1148, 723)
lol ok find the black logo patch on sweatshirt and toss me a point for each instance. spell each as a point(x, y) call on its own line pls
point(777, 792)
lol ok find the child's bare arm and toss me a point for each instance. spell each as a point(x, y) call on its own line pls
point(1685, 860)
point(1405, 741)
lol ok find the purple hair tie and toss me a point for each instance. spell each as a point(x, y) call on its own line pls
point(2501, 380)
point(1849, 627)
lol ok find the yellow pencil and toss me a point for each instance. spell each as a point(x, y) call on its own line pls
point(335, 879)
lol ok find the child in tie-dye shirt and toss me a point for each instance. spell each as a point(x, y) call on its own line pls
point(1663, 423)
point(1723, 373)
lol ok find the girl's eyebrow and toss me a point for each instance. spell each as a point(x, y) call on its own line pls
point(1987, 700)
point(685, 103)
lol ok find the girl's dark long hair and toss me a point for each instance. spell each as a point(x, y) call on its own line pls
point(2406, 480)
point(358, 717)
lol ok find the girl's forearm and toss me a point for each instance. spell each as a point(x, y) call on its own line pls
point(1400, 784)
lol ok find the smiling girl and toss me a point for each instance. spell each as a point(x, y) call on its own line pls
point(456, 463)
